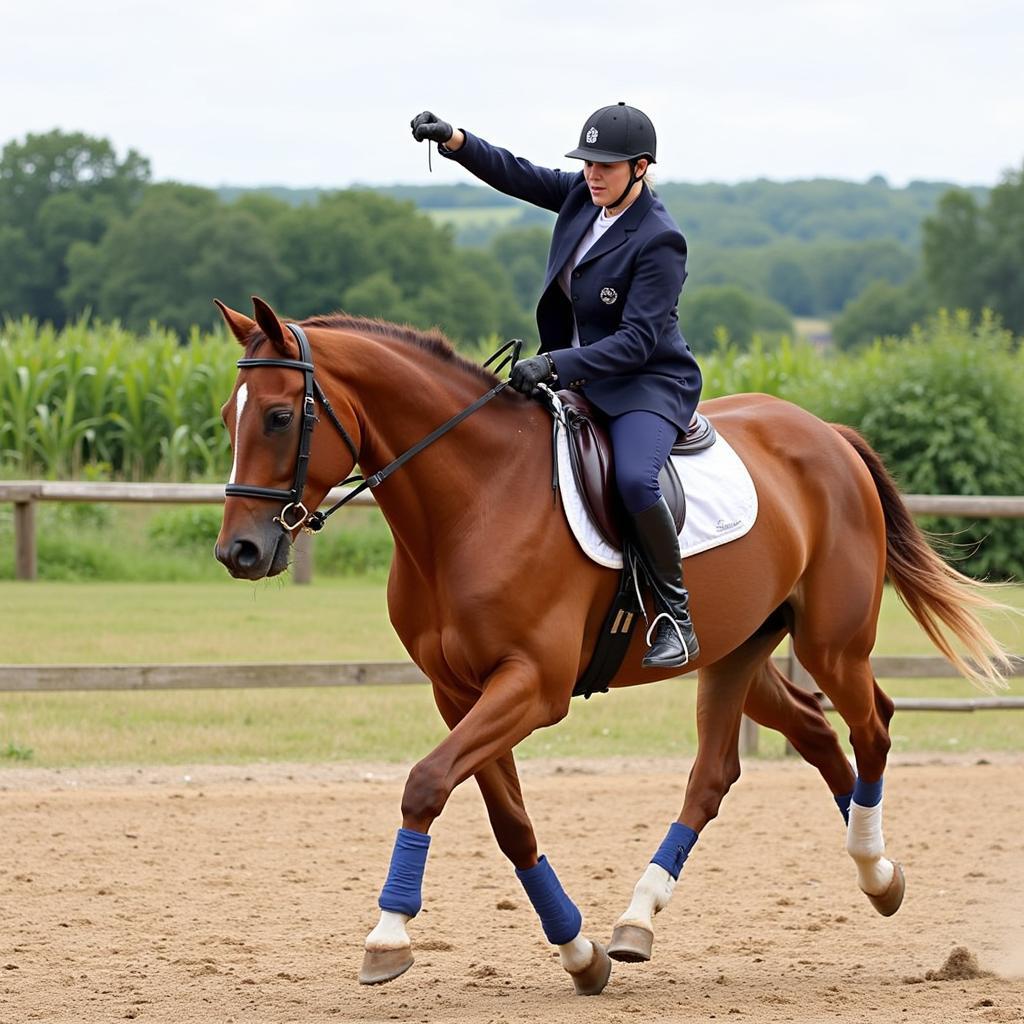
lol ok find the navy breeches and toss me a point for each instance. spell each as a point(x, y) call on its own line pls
point(641, 443)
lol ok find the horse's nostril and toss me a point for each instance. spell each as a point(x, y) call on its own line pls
point(244, 554)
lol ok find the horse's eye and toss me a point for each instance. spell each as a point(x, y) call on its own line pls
point(279, 419)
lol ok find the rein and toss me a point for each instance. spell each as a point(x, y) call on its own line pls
point(313, 522)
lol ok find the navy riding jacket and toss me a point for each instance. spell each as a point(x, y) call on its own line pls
point(624, 291)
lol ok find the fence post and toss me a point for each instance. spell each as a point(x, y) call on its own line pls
point(302, 562)
point(25, 540)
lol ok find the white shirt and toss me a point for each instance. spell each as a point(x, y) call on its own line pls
point(602, 222)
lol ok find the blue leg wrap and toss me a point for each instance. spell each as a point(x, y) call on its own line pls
point(559, 916)
point(675, 848)
point(867, 794)
point(401, 892)
point(843, 803)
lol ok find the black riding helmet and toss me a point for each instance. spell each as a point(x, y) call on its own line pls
point(616, 133)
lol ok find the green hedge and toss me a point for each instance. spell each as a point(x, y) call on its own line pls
point(944, 406)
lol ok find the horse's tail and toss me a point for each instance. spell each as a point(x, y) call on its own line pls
point(934, 592)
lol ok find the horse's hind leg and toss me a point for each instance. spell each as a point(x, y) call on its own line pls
point(722, 690)
point(776, 703)
point(837, 656)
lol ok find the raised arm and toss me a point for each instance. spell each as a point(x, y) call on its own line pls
point(497, 167)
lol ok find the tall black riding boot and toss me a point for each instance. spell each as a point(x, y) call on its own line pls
point(674, 643)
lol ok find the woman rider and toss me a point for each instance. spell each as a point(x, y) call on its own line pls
point(608, 322)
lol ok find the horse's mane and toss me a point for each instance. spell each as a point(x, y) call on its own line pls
point(433, 341)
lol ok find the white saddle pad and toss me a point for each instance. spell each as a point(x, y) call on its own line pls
point(721, 502)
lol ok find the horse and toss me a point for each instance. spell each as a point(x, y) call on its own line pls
point(499, 608)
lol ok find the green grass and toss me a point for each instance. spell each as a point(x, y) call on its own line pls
point(342, 620)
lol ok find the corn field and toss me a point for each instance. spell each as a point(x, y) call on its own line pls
point(97, 400)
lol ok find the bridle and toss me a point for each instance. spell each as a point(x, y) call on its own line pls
point(313, 393)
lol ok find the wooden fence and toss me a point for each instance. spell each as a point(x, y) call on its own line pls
point(26, 494)
point(48, 678)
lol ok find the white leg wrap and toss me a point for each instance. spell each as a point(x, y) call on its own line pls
point(577, 954)
point(651, 895)
point(390, 932)
point(865, 844)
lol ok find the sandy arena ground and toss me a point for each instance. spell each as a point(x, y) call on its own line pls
point(244, 894)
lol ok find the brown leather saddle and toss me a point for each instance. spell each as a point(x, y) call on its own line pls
point(590, 455)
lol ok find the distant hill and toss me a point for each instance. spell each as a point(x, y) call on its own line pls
point(748, 215)
point(810, 246)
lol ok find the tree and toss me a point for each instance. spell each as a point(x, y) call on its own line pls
point(57, 189)
point(881, 310)
point(523, 252)
point(177, 251)
point(974, 253)
point(704, 311)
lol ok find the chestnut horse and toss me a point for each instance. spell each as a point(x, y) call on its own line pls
point(496, 603)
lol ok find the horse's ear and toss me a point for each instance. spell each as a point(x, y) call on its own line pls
point(278, 335)
point(238, 323)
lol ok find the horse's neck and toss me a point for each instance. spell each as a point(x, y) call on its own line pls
point(404, 394)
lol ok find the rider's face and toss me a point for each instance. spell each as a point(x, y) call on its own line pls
point(608, 181)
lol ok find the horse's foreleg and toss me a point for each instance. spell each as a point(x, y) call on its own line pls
point(721, 692)
point(586, 961)
point(484, 730)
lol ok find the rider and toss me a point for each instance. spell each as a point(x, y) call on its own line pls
point(608, 322)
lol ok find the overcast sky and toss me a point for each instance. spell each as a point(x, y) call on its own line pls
point(320, 92)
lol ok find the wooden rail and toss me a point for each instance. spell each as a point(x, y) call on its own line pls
point(262, 675)
point(25, 494)
point(62, 678)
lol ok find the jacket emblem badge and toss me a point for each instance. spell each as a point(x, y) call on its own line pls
point(591, 136)
point(609, 295)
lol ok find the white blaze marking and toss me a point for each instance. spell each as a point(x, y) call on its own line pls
point(243, 395)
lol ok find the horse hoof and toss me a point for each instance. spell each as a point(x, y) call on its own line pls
point(889, 902)
point(593, 978)
point(381, 965)
point(631, 944)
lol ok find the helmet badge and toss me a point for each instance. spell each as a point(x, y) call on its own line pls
point(591, 136)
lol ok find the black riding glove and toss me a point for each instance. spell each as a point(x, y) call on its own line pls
point(429, 126)
point(528, 373)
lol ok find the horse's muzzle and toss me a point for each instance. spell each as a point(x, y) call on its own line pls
point(248, 559)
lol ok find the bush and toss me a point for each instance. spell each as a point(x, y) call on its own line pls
point(356, 542)
point(943, 408)
point(195, 526)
